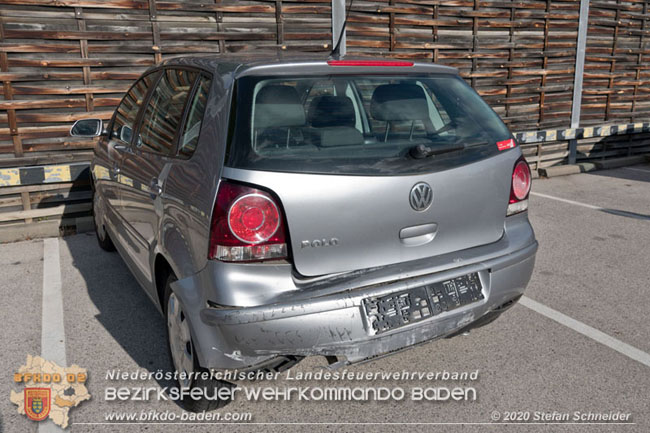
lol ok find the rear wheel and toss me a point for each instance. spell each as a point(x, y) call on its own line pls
point(181, 350)
point(103, 239)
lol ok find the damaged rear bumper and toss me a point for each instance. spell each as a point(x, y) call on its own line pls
point(334, 323)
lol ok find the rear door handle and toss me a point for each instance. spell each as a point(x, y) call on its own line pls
point(155, 189)
point(418, 235)
point(415, 231)
point(122, 148)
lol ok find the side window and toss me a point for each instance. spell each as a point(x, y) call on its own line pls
point(190, 136)
point(127, 111)
point(163, 115)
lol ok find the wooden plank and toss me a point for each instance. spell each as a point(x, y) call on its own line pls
point(45, 212)
point(83, 52)
point(64, 186)
point(47, 158)
point(49, 197)
point(24, 196)
point(155, 32)
point(9, 95)
point(77, 63)
point(85, 89)
point(117, 4)
point(279, 22)
point(612, 66)
point(24, 104)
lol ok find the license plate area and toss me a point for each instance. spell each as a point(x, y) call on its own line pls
point(393, 311)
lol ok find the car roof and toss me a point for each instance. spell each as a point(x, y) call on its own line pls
point(270, 62)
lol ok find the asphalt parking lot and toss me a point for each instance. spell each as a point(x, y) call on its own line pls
point(578, 341)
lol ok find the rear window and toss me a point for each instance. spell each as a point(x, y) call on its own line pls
point(363, 125)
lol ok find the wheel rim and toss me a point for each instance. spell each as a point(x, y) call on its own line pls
point(180, 341)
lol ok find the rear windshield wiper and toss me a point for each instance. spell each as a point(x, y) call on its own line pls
point(422, 151)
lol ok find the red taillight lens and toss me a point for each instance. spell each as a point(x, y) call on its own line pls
point(253, 218)
point(520, 187)
point(246, 225)
point(520, 181)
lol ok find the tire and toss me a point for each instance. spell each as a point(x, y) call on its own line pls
point(182, 354)
point(103, 239)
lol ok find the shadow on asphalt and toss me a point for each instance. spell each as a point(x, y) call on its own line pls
point(633, 175)
point(623, 174)
point(627, 214)
point(125, 311)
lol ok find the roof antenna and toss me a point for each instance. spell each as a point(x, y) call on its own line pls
point(336, 52)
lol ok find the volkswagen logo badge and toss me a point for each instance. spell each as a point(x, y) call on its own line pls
point(421, 196)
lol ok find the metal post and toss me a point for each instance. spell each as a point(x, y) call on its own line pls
point(579, 73)
point(338, 18)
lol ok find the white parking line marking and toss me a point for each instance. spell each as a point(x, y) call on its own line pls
point(590, 206)
point(52, 330)
point(644, 170)
point(577, 203)
point(588, 331)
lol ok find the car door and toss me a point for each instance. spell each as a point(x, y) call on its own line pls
point(153, 150)
point(116, 145)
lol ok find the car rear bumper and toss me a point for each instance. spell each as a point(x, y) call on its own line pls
point(333, 322)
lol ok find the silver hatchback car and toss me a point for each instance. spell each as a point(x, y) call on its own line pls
point(275, 208)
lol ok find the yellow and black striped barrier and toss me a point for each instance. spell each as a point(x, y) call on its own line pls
point(580, 133)
point(71, 172)
point(42, 174)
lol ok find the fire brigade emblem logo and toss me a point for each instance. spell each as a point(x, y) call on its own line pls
point(37, 403)
point(49, 390)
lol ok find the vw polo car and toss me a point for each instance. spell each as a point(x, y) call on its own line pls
point(275, 208)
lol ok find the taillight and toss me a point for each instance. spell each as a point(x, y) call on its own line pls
point(253, 218)
point(247, 225)
point(520, 187)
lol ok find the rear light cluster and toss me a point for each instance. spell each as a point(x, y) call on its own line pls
point(520, 187)
point(247, 225)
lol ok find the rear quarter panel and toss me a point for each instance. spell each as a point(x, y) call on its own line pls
point(190, 189)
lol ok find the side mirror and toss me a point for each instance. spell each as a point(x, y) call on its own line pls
point(87, 128)
point(126, 133)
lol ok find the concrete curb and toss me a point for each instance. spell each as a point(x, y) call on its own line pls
point(46, 229)
point(564, 170)
point(585, 167)
point(560, 170)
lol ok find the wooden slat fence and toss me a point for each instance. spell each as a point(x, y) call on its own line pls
point(520, 55)
point(63, 60)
